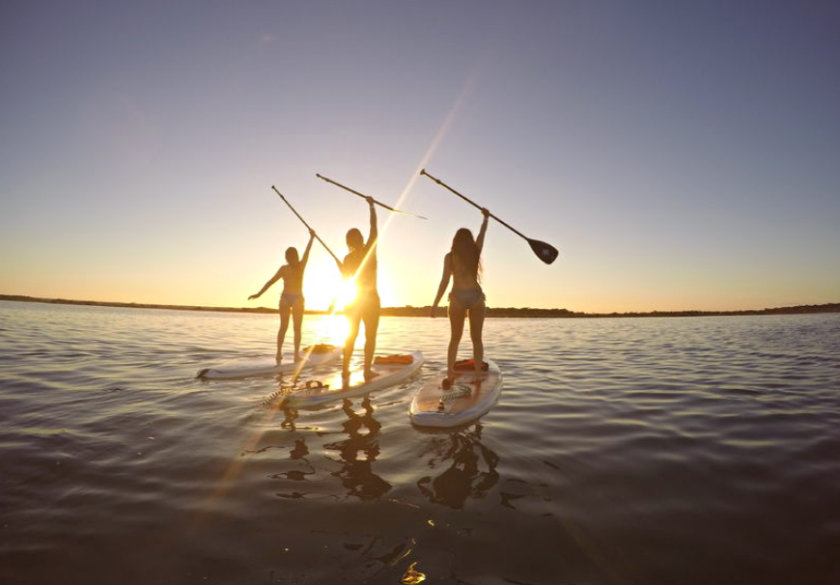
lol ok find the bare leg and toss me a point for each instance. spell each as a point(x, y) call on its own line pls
point(371, 318)
point(354, 318)
point(281, 334)
point(476, 326)
point(297, 316)
point(457, 314)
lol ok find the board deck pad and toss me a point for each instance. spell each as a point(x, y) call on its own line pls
point(321, 355)
point(464, 402)
point(319, 390)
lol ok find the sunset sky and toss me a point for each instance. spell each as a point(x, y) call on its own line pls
point(680, 155)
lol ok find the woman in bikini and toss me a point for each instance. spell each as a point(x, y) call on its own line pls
point(360, 264)
point(462, 265)
point(291, 301)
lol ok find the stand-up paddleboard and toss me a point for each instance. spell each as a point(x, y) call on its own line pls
point(463, 402)
point(391, 369)
point(320, 354)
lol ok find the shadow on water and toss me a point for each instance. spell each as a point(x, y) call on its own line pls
point(470, 468)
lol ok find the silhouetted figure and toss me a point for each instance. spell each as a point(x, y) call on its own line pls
point(462, 265)
point(360, 264)
point(291, 300)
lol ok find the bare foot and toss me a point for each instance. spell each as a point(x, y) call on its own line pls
point(446, 383)
point(278, 358)
point(370, 375)
point(345, 379)
point(297, 357)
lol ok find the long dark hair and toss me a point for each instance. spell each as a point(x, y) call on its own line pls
point(292, 257)
point(355, 240)
point(465, 255)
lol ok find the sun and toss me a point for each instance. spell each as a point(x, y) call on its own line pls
point(345, 294)
point(320, 282)
point(333, 329)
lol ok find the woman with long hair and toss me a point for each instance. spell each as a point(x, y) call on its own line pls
point(291, 300)
point(462, 264)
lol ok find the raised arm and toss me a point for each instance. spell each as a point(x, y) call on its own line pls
point(444, 281)
point(305, 258)
point(374, 233)
point(277, 276)
point(479, 241)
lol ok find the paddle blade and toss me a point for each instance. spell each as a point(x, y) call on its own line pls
point(545, 252)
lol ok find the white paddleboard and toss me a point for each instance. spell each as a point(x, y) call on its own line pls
point(465, 401)
point(320, 390)
point(320, 355)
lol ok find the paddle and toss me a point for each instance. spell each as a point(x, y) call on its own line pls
point(327, 248)
point(545, 252)
point(363, 196)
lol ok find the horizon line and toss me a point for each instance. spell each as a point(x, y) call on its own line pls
point(412, 311)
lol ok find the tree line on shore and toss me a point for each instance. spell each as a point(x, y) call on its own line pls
point(409, 311)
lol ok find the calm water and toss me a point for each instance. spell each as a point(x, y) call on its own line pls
point(623, 451)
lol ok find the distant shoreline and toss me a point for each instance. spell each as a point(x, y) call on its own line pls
point(408, 311)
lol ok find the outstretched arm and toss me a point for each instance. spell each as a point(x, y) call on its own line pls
point(444, 281)
point(479, 241)
point(305, 258)
point(266, 286)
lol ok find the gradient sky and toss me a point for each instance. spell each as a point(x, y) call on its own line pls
point(681, 155)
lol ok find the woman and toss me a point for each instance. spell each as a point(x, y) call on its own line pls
point(360, 264)
point(463, 266)
point(291, 301)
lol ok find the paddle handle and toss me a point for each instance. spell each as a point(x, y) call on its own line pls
point(474, 204)
point(327, 248)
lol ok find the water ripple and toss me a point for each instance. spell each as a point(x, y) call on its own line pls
point(621, 451)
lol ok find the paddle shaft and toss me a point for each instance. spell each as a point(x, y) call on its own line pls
point(327, 248)
point(474, 204)
point(363, 196)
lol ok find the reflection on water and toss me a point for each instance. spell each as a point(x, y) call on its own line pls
point(470, 468)
point(297, 453)
point(413, 576)
point(290, 415)
point(358, 452)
